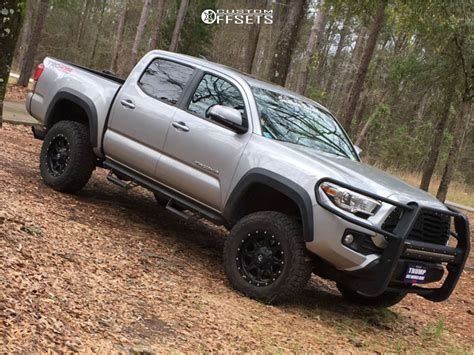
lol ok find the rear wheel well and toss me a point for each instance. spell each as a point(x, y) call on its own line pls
point(67, 110)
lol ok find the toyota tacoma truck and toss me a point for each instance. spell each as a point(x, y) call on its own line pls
point(273, 167)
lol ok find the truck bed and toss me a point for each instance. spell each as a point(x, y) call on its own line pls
point(61, 80)
point(105, 74)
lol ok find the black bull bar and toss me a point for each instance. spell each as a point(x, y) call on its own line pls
point(399, 246)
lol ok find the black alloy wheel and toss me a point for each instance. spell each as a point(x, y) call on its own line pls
point(58, 154)
point(67, 159)
point(265, 257)
point(260, 258)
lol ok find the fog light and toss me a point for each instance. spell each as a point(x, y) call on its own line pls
point(348, 239)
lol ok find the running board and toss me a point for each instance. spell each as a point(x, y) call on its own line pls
point(175, 210)
point(119, 182)
point(177, 199)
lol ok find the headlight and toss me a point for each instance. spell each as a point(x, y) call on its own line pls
point(349, 200)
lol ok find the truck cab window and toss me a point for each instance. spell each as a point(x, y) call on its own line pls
point(211, 91)
point(165, 80)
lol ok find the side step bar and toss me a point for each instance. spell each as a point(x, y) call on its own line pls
point(114, 179)
point(175, 210)
point(175, 199)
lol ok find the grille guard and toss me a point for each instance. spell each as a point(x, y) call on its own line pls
point(398, 246)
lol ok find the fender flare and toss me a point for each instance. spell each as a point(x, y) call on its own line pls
point(280, 183)
point(83, 102)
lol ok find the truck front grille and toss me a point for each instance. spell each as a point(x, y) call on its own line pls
point(430, 227)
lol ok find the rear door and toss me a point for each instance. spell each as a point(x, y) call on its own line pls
point(142, 113)
point(200, 156)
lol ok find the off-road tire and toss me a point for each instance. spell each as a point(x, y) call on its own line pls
point(386, 299)
point(296, 269)
point(80, 162)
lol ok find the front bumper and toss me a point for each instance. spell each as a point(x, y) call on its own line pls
point(381, 273)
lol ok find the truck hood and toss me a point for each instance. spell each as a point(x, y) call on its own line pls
point(365, 177)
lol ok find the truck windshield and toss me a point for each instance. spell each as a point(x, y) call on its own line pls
point(289, 119)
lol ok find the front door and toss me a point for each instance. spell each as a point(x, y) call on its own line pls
point(200, 156)
point(142, 113)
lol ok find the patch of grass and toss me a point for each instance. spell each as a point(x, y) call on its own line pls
point(434, 331)
point(439, 329)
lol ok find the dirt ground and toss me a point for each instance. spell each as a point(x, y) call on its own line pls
point(15, 93)
point(108, 271)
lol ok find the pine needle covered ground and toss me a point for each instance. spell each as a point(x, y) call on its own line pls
point(108, 271)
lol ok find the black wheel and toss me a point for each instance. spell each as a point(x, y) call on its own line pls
point(265, 257)
point(386, 299)
point(67, 159)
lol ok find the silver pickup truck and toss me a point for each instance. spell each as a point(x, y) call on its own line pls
point(273, 167)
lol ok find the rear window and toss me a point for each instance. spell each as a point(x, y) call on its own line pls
point(165, 80)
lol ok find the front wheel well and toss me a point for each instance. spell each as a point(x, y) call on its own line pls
point(260, 197)
point(263, 190)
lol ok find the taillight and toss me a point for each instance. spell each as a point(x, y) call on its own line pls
point(38, 72)
point(37, 75)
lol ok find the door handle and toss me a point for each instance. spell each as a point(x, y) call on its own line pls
point(181, 126)
point(128, 103)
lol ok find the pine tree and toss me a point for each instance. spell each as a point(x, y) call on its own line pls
point(183, 8)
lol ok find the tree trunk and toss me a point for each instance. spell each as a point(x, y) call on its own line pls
point(359, 47)
point(254, 35)
point(183, 8)
point(119, 36)
point(365, 129)
point(345, 85)
point(10, 25)
point(313, 46)
point(337, 55)
point(84, 16)
point(264, 48)
point(366, 93)
point(25, 33)
point(438, 133)
point(98, 33)
point(286, 41)
point(364, 65)
point(420, 107)
point(359, 116)
point(324, 53)
point(460, 129)
point(155, 35)
point(140, 31)
point(35, 38)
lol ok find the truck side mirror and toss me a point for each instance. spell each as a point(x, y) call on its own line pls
point(228, 117)
point(359, 151)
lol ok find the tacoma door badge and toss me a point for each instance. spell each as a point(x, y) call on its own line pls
point(206, 167)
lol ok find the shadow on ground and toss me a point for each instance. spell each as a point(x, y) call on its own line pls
point(204, 243)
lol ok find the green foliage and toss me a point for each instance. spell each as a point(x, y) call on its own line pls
point(316, 94)
point(196, 36)
point(434, 331)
